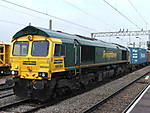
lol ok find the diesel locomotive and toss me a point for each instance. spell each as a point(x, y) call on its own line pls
point(46, 63)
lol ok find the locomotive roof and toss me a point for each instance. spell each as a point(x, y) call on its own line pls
point(31, 30)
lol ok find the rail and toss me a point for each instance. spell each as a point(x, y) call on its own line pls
point(95, 106)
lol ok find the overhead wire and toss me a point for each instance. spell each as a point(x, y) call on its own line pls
point(58, 18)
point(78, 8)
point(19, 11)
point(140, 15)
point(11, 22)
point(86, 13)
point(122, 14)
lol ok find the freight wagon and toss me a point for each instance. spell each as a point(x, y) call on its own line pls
point(148, 56)
point(138, 58)
point(138, 55)
point(4, 59)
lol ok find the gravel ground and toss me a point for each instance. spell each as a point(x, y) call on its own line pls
point(81, 102)
point(20, 108)
point(7, 100)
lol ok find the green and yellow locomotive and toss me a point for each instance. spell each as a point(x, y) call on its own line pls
point(47, 63)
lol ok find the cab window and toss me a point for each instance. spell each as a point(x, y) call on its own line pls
point(60, 50)
point(20, 48)
point(40, 48)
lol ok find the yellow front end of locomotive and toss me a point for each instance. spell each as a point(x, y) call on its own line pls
point(32, 57)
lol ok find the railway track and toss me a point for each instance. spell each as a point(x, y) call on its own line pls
point(5, 87)
point(18, 105)
point(6, 93)
point(95, 106)
point(25, 106)
point(35, 108)
point(13, 103)
point(88, 101)
point(136, 98)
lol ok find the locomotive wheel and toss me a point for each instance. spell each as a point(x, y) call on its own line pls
point(62, 91)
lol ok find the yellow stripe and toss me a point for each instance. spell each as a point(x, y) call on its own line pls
point(82, 66)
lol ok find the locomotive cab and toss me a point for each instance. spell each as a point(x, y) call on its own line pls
point(33, 57)
point(33, 60)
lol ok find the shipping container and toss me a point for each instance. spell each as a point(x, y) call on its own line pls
point(138, 55)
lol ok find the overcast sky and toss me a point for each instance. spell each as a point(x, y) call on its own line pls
point(91, 15)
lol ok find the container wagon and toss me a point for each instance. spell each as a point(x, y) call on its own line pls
point(138, 57)
point(148, 56)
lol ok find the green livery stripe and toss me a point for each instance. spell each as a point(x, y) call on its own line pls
point(44, 66)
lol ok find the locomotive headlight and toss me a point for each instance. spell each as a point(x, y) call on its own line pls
point(14, 72)
point(30, 38)
point(43, 74)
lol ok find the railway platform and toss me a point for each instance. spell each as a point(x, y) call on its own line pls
point(141, 104)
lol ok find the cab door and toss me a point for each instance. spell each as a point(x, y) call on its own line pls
point(58, 60)
point(77, 51)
